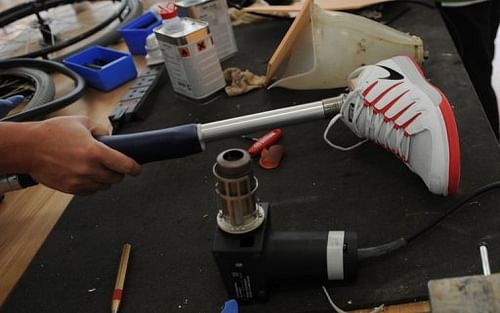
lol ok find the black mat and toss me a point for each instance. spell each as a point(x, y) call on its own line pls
point(168, 213)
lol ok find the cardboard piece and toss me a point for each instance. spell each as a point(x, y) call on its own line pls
point(302, 20)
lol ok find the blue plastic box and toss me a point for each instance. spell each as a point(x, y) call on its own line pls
point(137, 30)
point(103, 68)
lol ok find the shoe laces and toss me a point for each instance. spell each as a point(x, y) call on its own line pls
point(367, 123)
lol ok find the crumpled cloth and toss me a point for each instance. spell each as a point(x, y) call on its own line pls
point(239, 17)
point(240, 82)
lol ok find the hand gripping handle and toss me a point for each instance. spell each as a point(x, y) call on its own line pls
point(157, 145)
point(148, 146)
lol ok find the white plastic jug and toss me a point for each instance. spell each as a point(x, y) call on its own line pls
point(333, 44)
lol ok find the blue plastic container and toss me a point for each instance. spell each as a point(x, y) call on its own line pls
point(137, 30)
point(103, 68)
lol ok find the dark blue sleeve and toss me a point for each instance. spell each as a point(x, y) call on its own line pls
point(157, 145)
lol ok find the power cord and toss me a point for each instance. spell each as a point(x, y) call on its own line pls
point(377, 309)
point(386, 248)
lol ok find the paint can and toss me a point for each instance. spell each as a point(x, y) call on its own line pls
point(191, 58)
point(215, 13)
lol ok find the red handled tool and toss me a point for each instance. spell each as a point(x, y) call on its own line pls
point(265, 141)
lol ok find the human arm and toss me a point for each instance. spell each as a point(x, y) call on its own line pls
point(62, 153)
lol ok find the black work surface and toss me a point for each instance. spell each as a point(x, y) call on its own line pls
point(168, 213)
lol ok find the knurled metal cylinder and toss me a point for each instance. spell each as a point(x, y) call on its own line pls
point(236, 186)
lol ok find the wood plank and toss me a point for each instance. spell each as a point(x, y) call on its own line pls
point(27, 216)
point(331, 5)
point(468, 294)
point(417, 307)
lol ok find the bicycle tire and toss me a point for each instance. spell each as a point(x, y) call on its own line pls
point(129, 10)
point(113, 36)
point(44, 85)
point(53, 105)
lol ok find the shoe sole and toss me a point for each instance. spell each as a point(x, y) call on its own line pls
point(416, 76)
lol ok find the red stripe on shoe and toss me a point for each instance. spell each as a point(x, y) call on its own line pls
point(452, 135)
point(453, 145)
point(381, 95)
point(407, 123)
point(369, 88)
point(390, 104)
point(395, 117)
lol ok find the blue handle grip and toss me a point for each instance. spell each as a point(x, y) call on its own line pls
point(157, 145)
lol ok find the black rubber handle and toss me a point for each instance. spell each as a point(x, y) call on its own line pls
point(157, 145)
point(149, 146)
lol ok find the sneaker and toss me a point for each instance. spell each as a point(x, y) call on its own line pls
point(393, 104)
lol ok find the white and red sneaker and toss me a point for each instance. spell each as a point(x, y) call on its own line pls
point(394, 105)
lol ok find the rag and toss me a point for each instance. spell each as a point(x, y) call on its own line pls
point(240, 82)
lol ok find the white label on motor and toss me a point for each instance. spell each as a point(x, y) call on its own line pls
point(335, 255)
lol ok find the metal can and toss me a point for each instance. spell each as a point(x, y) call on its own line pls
point(215, 13)
point(191, 59)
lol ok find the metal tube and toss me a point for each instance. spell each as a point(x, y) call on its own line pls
point(270, 119)
point(484, 259)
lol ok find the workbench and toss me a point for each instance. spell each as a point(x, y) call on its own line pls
point(168, 213)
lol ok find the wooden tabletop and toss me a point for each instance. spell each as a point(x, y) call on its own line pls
point(27, 216)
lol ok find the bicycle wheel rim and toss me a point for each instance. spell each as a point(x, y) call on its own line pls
point(48, 29)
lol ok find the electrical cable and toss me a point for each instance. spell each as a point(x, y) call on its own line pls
point(386, 248)
point(51, 66)
point(377, 309)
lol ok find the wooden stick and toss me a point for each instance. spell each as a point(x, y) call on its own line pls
point(120, 278)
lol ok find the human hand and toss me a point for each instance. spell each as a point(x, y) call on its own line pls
point(8, 104)
point(65, 156)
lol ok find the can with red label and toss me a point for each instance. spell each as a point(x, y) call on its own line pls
point(191, 58)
